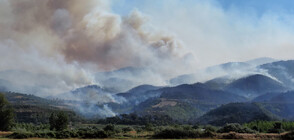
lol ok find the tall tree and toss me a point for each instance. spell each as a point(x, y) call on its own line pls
point(6, 114)
point(58, 121)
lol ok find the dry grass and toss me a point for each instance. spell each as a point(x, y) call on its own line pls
point(4, 133)
point(258, 136)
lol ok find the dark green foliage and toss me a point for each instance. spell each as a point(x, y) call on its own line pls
point(134, 119)
point(148, 127)
point(270, 126)
point(58, 121)
point(45, 134)
point(210, 128)
point(6, 114)
point(277, 128)
point(127, 129)
point(91, 133)
point(177, 133)
point(235, 127)
point(236, 113)
point(21, 135)
point(109, 127)
point(63, 134)
point(254, 85)
point(31, 127)
point(33, 109)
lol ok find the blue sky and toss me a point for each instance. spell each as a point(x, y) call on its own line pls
point(123, 7)
point(237, 29)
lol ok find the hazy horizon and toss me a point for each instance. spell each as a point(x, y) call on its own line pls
point(63, 44)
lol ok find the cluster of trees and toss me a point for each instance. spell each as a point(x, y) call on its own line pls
point(270, 126)
point(134, 119)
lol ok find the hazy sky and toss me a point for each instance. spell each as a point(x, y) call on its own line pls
point(218, 31)
point(63, 43)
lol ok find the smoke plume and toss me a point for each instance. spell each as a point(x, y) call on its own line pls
point(61, 44)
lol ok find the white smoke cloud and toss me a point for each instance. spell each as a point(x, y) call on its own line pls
point(59, 45)
point(62, 44)
point(215, 34)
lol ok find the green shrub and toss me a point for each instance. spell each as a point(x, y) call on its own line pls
point(63, 134)
point(148, 127)
point(109, 127)
point(235, 127)
point(209, 128)
point(91, 133)
point(21, 135)
point(195, 126)
point(271, 126)
point(176, 133)
point(127, 129)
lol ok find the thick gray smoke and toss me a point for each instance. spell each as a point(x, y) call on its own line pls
point(50, 47)
point(59, 45)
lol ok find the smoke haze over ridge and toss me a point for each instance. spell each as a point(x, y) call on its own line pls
point(63, 43)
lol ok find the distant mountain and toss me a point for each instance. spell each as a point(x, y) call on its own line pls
point(219, 83)
point(179, 110)
point(183, 79)
point(261, 60)
point(284, 97)
point(254, 85)
point(283, 110)
point(33, 109)
point(230, 67)
point(121, 80)
point(279, 103)
point(200, 93)
point(282, 70)
point(184, 102)
point(222, 70)
point(140, 93)
point(236, 113)
point(266, 97)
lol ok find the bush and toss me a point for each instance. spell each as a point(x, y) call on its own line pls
point(277, 128)
point(209, 128)
point(109, 127)
point(21, 135)
point(91, 133)
point(127, 129)
point(195, 126)
point(175, 133)
point(148, 127)
point(235, 127)
point(45, 134)
point(63, 134)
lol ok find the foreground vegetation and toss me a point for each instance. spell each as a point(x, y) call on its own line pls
point(59, 126)
point(269, 130)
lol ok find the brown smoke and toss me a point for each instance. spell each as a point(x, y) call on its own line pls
point(70, 38)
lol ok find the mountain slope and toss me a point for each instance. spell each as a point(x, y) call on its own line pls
point(282, 70)
point(33, 109)
point(254, 85)
point(236, 113)
point(184, 102)
point(200, 93)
